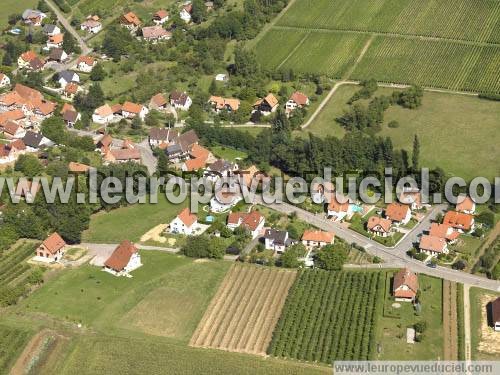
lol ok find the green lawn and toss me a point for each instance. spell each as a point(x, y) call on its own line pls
point(392, 330)
point(12, 7)
point(476, 313)
point(458, 133)
point(228, 153)
point(130, 222)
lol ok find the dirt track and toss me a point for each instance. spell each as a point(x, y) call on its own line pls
point(450, 320)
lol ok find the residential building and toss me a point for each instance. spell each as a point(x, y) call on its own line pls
point(444, 231)
point(158, 102)
point(78, 167)
point(379, 226)
point(33, 17)
point(51, 250)
point(122, 155)
point(55, 41)
point(433, 245)
point(228, 104)
point(155, 33)
point(51, 30)
point(296, 100)
point(58, 54)
point(67, 76)
point(24, 60)
point(11, 130)
point(180, 100)
point(124, 259)
point(103, 115)
point(160, 17)
point(91, 25)
point(4, 80)
point(459, 221)
point(185, 13)
point(466, 205)
point(223, 201)
point(10, 152)
point(219, 169)
point(86, 63)
point(70, 90)
point(252, 221)
point(399, 214)
point(267, 105)
point(131, 110)
point(338, 207)
point(412, 198)
point(35, 141)
point(184, 223)
point(159, 136)
point(405, 285)
point(315, 239)
point(130, 21)
point(495, 314)
point(322, 192)
point(277, 240)
point(221, 77)
point(71, 118)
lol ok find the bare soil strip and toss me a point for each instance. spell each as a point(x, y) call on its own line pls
point(245, 309)
point(450, 320)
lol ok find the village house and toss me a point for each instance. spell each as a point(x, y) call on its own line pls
point(155, 33)
point(405, 285)
point(91, 25)
point(122, 155)
point(180, 100)
point(223, 201)
point(399, 214)
point(78, 168)
point(322, 192)
point(10, 152)
point(4, 80)
point(459, 221)
point(124, 259)
point(71, 117)
point(250, 176)
point(58, 54)
point(433, 245)
point(267, 105)
point(180, 147)
point(33, 17)
point(495, 314)
point(466, 205)
point(104, 143)
point(35, 141)
point(185, 223)
point(444, 231)
point(277, 240)
point(14, 115)
point(158, 136)
point(103, 115)
point(158, 102)
point(199, 158)
point(338, 208)
point(315, 239)
point(160, 17)
point(252, 221)
point(379, 226)
point(219, 169)
point(51, 250)
point(11, 130)
point(412, 198)
point(55, 41)
point(296, 100)
point(86, 63)
point(185, 13)
point(193, 165)
point(70, 90)
point(130, 21)
point(24, 60)
point(26, 104)
point(67, 76)
point(51, 30)
point(228, 104)
point(130, 110)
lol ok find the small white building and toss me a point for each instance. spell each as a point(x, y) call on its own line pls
point(185, 13)
point(221, 77)
point(224, 201)
point(4, 80)
point(103, 115)
point(180, 100)
point(91, 26)
point(124, 259)
point(86, 63)
point(51, 30)
point(277, 240)
point(184, 223)
point(160, 17)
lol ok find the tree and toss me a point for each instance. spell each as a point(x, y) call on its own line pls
point(199, 12)
point(70, 44)
point(245, 62)
point(204, 247)
point(416, 153)
point(97, 73)
point(54, 129)
point(28, 165)
point(136, 123)
point(289, 259)
point(331, 257)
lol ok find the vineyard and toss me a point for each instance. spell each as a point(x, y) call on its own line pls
point(243, 313)
point(470, 20)
point(12, 342)
point(441, 64)
point(329, 316)
point(16, 275)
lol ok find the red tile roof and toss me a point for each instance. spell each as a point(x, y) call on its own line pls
point(54, 243)
point(28, 56)
point(338, 204)
point(408, 278)
point(443, 231)
point(379, 224)
point(467, 204)
point(195, 164)
point(458, 220)
point(131, 107)
point(121, 256)
point(299, 98)
point(88, 60)
point(432, 243)
point(252, 220)
point(131, 18)
point(78, 167)
point(396, 211)
point(187, 217)
point(318, 236)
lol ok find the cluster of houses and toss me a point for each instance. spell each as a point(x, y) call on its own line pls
point(455, 222)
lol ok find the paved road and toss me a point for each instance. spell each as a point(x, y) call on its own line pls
point(395, 255)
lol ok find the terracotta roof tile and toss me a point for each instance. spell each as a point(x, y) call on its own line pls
point(318, 236)
point(121, 256)
point(53, 243)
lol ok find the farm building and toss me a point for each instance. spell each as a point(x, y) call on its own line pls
point(405, 285)
point(51, 250)
point(124, 259)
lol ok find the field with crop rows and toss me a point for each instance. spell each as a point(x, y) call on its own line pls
point(12, 343)
point(243, 313)
point(472, 20)
point(442, 64)
point(329, 316)
point(328, 53)
point(450, 326)
point(15, 274)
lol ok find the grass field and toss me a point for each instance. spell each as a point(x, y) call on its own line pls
point(484, 341)
point(243, 313)
point(447, 126)
point(228, 153)
point(474, 20)
point(391, 326)
point(12, 342)
point(130, 222)
point(329, 316)
point(12, 7)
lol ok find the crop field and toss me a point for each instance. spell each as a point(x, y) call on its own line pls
point(12, 343)
point(450, 317)
point(310, 52)
point(433, 63)
point(472, 20)
point(329, 316)
point(243, 313)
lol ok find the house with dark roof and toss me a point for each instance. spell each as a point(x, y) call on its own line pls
point(58, 54)
point(158, 136)
point(71, 117)
point(180, 100)
point(124, 259)
point(494, 307)
point(405, 285)
point(67, 76)
point(277, 240)
point(35, 141)
point(220, 169)
point(51, 30)
point(51, 249)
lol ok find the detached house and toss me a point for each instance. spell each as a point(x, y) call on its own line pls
point(405, 285)
point(103, 115)
point(399, 214)
point(124, 259)
point(67, 76)
point(35, 141)
point(459, 221)
point(158, 102)
point(4, 80)
point(379, 226)
point(297, 100)
point(160, 17)
point(131, 110)
point(228, 104)
point(58, 54)
point(51, 30)
point(33, 17)
point(338, 207)
point(12, 130)
point(466, 205)
point(220, 168)
point(155, 33)
point(444, 231)
point(159, 136)
point(433, 245)
point(252, 221)
point(24, 60)
point(184, 223)
point(317, 239)
point(267, 105)
point(91, 25)
point(185, 13)
point(55, 41)
point(130, 21)
point(180, 100)
point(86, 63)
point(10, 152)
point(71, 118)
point(412, 198)
point(277, 240)
point(51, 250)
